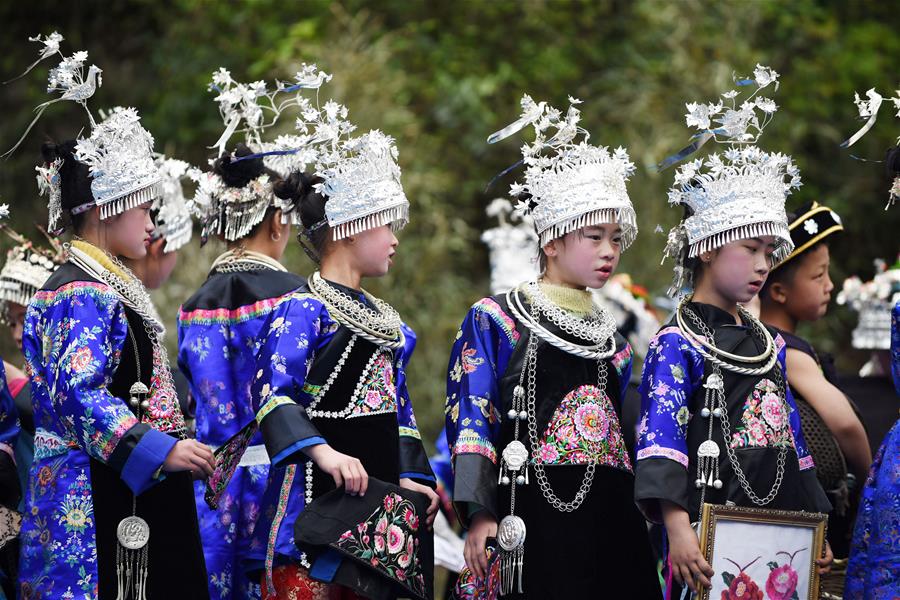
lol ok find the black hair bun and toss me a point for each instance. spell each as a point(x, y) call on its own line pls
point(237, 173)
point(51, 151)
point(297, 186)
point(892, 161)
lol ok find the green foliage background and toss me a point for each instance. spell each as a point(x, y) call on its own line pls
point(441, 76)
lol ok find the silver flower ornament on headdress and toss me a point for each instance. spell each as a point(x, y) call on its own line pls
point(250, 109)
point(734, 195)
point(569, 185)
point(868, 110)
point(68, 78)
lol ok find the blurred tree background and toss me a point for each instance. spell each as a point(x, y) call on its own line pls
point(441, 76)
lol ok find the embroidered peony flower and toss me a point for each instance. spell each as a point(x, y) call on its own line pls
point(379, 544)
point(404, 559)
point(782, 583)
point(592, 422)
point(773, 411)
point(757, 432)
point(395, 539)
point(390, 500)
point(566, 436)
point(742, 588)
point(373, 399)
point(81, 360)
point(548, 453)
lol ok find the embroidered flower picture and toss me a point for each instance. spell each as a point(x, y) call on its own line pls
point(811, 226)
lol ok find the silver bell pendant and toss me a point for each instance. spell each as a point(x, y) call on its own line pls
point(137, 391)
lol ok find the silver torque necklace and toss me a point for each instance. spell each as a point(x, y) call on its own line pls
point(514, 464)
point(716, 407)
point(379, 324)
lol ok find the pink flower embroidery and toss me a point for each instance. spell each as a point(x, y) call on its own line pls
point(389, 502)
point(773, 411)
point(661, 389)
point(379, 543)
point(373, 399)
point(412, 519)
point(757, 432)
point(782, 583)
point(591, 422)
point(395, 539)
point(548, 453)
point(346, 535)
point(381, 526)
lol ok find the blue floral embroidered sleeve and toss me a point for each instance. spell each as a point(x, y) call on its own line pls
point(73, 342)
point(289, 340)
point(672, 371)
point(413, 459)
point(483, 347)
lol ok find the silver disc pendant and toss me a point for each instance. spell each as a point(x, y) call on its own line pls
point(133, 532)
point(511, 533)
point(515, 455)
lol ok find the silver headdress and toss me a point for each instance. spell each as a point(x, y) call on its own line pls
point(173, 216)
point(873, 301)
point(362, 178)
point(250, 108)
point(574, 185)
point(119, 155)
point(118, 152)
point(27, 267)
point(868, 110)
point(736, 195)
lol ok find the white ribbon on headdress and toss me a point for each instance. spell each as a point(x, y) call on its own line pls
point(871, 107)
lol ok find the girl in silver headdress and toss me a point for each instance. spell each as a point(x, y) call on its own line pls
point(535, 386)
point(718, 422)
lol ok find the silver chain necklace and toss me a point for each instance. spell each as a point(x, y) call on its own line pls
point(241, 260)
point(379, 324)
point(716, 407)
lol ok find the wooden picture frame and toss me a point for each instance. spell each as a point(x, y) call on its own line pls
point(774, 550)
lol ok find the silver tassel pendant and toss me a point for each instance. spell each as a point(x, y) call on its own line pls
point(708, 466)
point(132, 558)
point(511, 539)
point(514, 464)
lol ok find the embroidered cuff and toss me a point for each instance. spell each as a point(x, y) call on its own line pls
point(142, 468)
point(286, 432)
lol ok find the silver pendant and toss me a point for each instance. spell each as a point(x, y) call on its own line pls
point(511, 533)
point(515, 455)
point(133, 532)
point(714, 382)
point(708, 449)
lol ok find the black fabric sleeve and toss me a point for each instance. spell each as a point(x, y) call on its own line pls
point(660, 479)
point(286, 431)
point(475, 485)
point(414, 462)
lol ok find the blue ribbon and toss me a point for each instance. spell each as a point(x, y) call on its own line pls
point(502, 173)
point(270, 153)
point(699, 139)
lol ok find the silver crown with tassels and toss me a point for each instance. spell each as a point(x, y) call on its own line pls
point(734, 195)
point(173, 215)
point(251, 109)
point(571, 184)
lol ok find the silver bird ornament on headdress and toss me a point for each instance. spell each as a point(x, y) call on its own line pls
point(68, 78)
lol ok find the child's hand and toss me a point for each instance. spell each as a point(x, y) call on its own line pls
point(688, 563)
point(344, 469)
point(825, 562)
point(409, 484)
point(483, 526)
point(190, 455)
